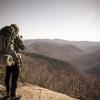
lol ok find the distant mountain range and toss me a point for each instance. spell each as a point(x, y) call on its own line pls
point(87, 46)
point(54, 49)
point(82, 54)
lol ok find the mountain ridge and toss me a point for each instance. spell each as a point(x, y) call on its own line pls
point(82, 54)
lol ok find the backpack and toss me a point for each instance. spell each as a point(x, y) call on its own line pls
point(6, 46)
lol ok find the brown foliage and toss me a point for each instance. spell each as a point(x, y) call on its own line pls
point(59, 76)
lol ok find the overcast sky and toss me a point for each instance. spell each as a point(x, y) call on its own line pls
point(63, 19)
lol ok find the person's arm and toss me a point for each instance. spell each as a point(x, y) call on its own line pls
point(18, 41)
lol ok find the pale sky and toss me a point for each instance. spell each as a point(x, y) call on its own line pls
point(77, 20)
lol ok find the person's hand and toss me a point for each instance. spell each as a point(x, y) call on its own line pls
point(13, 63)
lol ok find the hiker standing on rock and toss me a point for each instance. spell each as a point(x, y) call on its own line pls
point(14, 44)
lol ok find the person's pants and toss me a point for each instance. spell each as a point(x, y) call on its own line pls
point(11, 78)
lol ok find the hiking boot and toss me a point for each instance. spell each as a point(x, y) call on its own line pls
point(15, 98)
point(4, 97)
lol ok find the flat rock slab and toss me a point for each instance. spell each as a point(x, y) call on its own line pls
point(30, 92)
point(33, 92)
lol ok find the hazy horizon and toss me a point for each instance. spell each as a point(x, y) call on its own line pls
point(60, 39)
point(76, 20)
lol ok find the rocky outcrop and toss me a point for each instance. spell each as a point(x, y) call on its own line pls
point(32, 92)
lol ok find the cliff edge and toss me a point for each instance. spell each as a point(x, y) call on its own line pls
point(33, 92)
